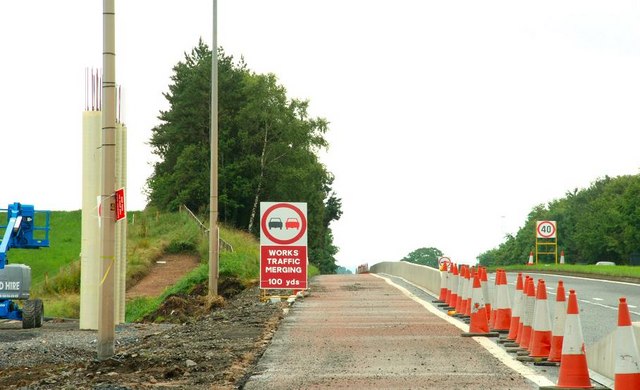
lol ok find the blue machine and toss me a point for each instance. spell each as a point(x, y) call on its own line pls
point(21, 232)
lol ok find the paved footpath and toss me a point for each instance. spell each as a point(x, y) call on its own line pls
point(360, 332)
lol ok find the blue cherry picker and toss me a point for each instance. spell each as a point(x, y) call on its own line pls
point(21, 232)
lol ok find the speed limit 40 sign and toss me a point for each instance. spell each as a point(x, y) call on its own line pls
point(546, 229)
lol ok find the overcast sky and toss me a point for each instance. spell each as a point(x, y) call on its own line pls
point(449, 121)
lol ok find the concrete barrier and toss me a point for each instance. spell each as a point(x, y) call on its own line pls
point(601, 356)
point(420, 275)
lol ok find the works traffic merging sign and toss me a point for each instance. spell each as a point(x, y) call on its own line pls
point(283, 245)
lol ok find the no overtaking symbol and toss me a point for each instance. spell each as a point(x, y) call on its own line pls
point(271, 220)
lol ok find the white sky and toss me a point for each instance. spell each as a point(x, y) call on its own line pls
point(449, 120)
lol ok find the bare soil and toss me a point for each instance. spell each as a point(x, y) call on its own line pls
point(164, 273)
point(203, 343)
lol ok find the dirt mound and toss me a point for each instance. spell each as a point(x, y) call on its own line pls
point(180, 308)
point(207, 349)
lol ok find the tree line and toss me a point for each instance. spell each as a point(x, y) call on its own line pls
point(598, 223)
point(268, 150)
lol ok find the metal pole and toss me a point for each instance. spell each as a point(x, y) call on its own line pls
point(213, 187)
point(106, 314)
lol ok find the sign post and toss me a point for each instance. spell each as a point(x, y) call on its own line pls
point(547, 239)
point(283, 245)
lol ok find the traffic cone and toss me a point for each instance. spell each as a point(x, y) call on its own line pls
point(469, 292)
point(527, 319)
point(574, 372)
point(479, 326)
point(503, 306)
point(463, 297)
point(627, 371)
point(484, 284)
point(458, 304)
point(516, 313)
point(559, 319)
point(530, 258)
point(541, 326)
point(562, 256)
point(493, 297)
point(452, 296)
point(444, 277)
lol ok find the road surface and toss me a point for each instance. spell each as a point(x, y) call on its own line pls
point(358, 331)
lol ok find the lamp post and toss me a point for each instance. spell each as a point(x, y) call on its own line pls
point(213, 187)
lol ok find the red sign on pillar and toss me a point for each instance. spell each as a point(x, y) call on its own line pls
point(121, 210)
point(283, 245)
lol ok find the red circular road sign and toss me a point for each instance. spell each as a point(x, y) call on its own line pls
point(546, 229)
point(265, 218)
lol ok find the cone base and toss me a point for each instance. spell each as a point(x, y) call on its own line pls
point(477, 334)
point(546, 363)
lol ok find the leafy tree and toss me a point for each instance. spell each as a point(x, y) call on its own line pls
point(425, 256)
point(597, 223)
point(343, 270)
point(268, 146)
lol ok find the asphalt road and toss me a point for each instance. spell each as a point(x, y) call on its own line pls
point(357, 331)
point(597, 300)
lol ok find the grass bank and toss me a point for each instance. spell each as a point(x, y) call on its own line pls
point(150, 235)
point(623, 272)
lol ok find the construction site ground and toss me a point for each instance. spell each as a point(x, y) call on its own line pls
point(353, 331)
point(209, 343)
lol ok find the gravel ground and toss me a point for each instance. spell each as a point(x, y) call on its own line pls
point(213, 350)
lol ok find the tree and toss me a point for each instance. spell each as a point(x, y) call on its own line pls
point(597, 223)
point(268, 146)
point(424, 256)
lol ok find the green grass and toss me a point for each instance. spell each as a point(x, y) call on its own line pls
point(619, 271)
point(64, 238)
point(56, 270)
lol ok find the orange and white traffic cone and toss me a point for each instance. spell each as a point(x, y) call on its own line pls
point(562, 256)
point(627, 370)
point(463, 292)
point(530, 258)
point(461, 282)
point(444, 278)
point(503, 306)
point(479, 326)
point(527, 319)
point(574, 372)
point(484, 283)
point(493, 298)
point(516, 313)
point(541, 326)
point(559, 319)
point(467, 306)
point(452, 296)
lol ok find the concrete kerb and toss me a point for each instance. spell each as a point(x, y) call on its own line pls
point(488, 344)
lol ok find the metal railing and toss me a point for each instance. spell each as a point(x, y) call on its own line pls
point(222, 244)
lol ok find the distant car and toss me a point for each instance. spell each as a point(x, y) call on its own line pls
point(605, 263)
point(292, 223)
point(275, 223)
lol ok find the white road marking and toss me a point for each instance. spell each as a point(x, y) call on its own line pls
point(583, 278)
point(595, 303)
point(489, 345)
point(597, 299)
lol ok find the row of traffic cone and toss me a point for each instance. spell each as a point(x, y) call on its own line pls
point(530, 262)
point(528, 326)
